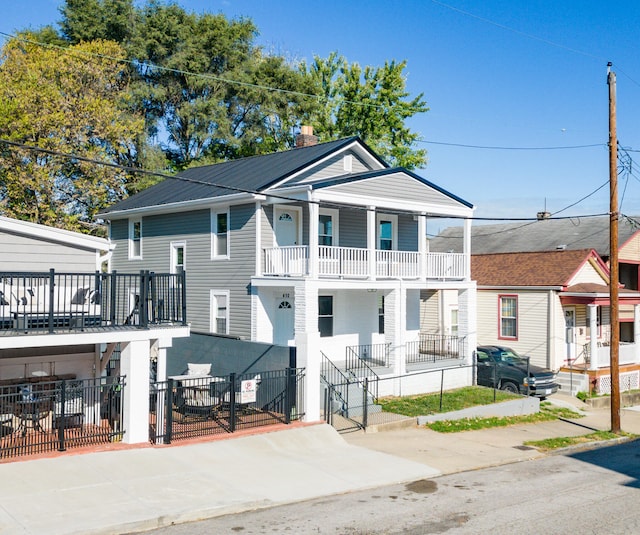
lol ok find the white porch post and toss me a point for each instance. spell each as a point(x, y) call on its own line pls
point(467, 321)
point(593, 330)
point(466, 249)
point(307, 341)
point(371, 241)
point(395, 322)
point(134, 363)
point(422, 245)
point(636, 332)
point(313, 239)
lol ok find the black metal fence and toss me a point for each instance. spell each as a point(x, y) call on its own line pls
point(434, 348)
point(49, 302)
point(191, 406)
point(54, 415)
point(371, 354)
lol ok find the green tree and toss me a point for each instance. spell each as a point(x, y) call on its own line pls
point(70, 102)
point(370, 103)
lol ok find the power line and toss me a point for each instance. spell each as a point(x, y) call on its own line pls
point(490, 147)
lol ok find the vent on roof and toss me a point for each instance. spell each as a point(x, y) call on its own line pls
point(306, 138)
point(543, 215)
point(561, 247)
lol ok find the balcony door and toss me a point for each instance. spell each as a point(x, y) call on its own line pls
point(287, 226)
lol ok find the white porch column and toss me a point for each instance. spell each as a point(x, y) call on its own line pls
point(307, 341)
point(422, 245)
point(636, 332)
point(395, 324)
point(371, 241)
point(467, 321)
point(313, 239)
point(593, 342)
point(466, 248)
point(134, 365)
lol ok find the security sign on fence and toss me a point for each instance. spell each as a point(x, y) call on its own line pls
point(248, 391)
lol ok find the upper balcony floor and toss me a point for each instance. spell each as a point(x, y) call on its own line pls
point(52, 302)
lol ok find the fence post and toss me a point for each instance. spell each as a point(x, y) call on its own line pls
point(113, 277)
point(144, 314)
point(183, 297)
point(154, 299)
point(232, 402)
point(290, 385)
point(365, 403)
point(441, 387)
point(52, 282)
point(62, 418)
point(168, 411)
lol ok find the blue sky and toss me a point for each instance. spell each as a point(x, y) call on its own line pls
point(495, 73)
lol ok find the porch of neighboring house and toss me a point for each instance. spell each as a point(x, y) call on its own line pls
point(75, 351)
point(587, 367)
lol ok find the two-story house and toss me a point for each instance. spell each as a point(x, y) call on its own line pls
point(76, 340)
point(322, 247)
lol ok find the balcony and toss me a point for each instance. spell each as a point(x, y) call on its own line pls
point(45, 303)
point(357, 263)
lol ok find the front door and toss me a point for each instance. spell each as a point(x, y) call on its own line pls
point(570, 332)
point(284, 325)
point(286, 227)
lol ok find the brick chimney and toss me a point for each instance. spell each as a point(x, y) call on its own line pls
point(306, 138)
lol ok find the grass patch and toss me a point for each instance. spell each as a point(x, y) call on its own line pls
point(564, 442)
point(548, 412)
point(452, 400)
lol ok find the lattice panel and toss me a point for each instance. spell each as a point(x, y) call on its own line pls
point(628, 381)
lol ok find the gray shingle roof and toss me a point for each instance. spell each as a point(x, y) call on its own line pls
point(255, 173)
point(545, 235)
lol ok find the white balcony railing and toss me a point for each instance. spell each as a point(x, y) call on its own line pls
point(353, 262)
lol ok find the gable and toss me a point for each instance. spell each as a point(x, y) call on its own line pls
point(333, 167)
point(589, 273)
point(395, 189)
point(630, 250)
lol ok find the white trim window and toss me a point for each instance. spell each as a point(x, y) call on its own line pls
point(135, 239)
point(387, 232)
point(325, 315)
point(220, 233)
point(328, 227)
point(219, 323)
point(508, 317)
point(178, 257)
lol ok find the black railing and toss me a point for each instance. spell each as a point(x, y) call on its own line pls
point(38, 416)
point(434, 348)
point(370, 354)
point(51, 302)
point(192, 406)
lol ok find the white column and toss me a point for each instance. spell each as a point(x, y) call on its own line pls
point(313, 239)
point(593, 342)
point(466, 248)
point(422, 245)
point(371, 241)
point(134, 365)
point(395, 321)
point(258, 242)
point(307, 341)
point(467, 321)
point(636, 332)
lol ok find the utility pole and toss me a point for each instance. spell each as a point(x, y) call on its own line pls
point(613, 255)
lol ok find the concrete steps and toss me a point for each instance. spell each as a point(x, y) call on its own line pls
point(573, 383)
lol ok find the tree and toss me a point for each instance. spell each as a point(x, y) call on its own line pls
point(370, 103)
point(66, 102)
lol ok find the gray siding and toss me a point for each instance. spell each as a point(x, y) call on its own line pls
point(407, 233)
point(353, 228)
point(202, 272)
point(333, 167)
point(23, 253)
point(396, 186)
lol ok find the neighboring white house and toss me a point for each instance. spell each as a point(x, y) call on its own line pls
point(61, 315)
point(322, 247)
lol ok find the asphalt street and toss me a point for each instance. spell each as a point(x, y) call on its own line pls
point(588, 492)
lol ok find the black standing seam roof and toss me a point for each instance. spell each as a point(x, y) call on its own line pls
point(252, 174)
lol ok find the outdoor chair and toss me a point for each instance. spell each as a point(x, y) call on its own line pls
point(71, 413)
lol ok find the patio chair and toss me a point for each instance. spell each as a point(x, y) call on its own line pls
point(71, 413)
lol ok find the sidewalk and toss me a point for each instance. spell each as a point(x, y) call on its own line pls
point(136, 489)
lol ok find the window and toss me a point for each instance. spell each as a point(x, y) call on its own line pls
point(328, 227)
point(219, 311)
point(325, 315)
point(135, 238)
point(508, 317)
point(178, 257)
point(387, 225)
point(381, 314)
point(454, 322)
point(220, 234)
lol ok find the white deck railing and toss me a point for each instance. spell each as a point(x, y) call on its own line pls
point(353, 262)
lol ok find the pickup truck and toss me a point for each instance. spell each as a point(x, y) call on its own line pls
point(501, 367)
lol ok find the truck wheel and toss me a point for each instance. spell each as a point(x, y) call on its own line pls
point(508, 386)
